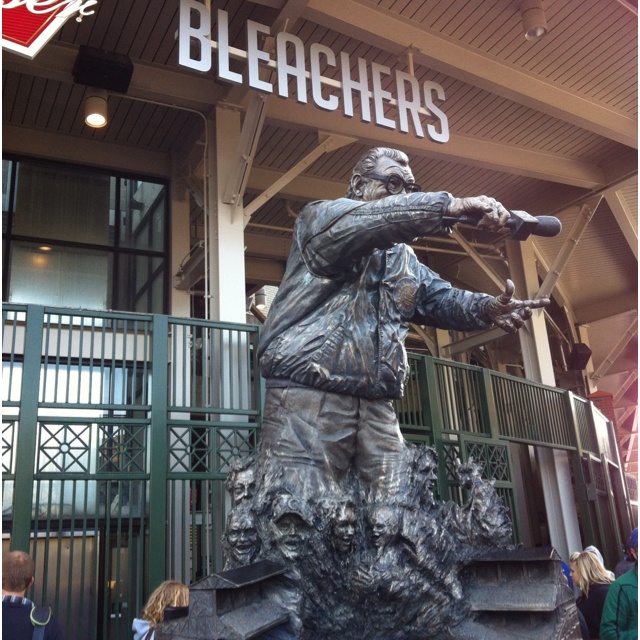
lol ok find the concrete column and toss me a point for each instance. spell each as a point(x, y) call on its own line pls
point(554, 464)
point(226, 230)
point(534, 340)
point(442, 338)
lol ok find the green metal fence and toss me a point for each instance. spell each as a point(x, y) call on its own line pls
point(118, 430)
point(117, 433)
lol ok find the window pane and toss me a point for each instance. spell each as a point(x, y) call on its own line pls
point(142, 215)
point(61, 277)
point(6, 181)
point(61, 203)
point(141, 284)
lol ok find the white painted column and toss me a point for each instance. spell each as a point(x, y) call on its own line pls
point(228, 350)
point(534, 340)
point(180, 306)
point(554, 464)
point(442, 338)
point(226, 228)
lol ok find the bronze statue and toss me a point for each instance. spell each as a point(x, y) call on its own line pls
point(338, 497)
point(332, 351)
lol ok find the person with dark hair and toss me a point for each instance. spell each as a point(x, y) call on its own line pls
point(620, 613)
point(21, 619)
point(332, 350)
point(630, 558)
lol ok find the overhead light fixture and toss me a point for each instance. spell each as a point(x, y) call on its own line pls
point(260, 299)
point(95, 108)
point(534, 22)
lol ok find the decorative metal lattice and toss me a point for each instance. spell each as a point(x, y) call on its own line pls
point(122, 448)
point(63, 448)
point(208, 448)
point(451, 454)
point(632, 486)
point(598, 477)
point(8, 459)
point(494, 459)
point(189, 449)
point(233, 444)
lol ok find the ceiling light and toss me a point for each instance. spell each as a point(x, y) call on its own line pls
point(45, 248)
point(534, 22)
point(260, 300)
point(95, 108)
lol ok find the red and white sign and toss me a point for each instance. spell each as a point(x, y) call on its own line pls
point(27, 25)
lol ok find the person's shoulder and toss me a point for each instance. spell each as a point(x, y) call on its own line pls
point(631, 577)
point(53, 630)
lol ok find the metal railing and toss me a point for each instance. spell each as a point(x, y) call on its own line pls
point(119, 428)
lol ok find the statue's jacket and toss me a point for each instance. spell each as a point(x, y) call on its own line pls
point(351, 287)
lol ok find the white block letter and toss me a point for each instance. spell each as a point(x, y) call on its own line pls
point(349, 85)
point(437, 136)
point(296, 69)
point(224, 73)
point(330, 103)
point(379, 94)
point(408, 106)
point(201, 34)
point(254, 55)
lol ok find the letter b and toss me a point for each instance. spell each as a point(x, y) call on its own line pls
point(201, 33)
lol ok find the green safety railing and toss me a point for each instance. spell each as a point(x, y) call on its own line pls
point(119, 429)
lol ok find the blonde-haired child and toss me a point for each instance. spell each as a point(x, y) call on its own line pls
point(168, 594)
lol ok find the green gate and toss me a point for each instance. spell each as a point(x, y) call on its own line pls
point(119, 428)
point(117, 433)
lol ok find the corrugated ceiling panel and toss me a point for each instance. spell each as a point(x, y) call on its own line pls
point(602, 250)
point(629, 196)
point(602, 66)
point(473, 111)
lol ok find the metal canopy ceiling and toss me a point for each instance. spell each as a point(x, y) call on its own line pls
point(539, 125)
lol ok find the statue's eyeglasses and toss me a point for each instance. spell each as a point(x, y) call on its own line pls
point(394, 183)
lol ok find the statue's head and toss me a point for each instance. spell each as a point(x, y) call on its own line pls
point(385, 525)
point(344, 521)
point(241, 481)
point(425, 466)
point(290, 526)
point(381, 172)
point(468, 473)
point(241, 535)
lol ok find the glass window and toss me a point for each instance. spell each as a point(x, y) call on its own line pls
point(142, 215)
point(140, 284)
point(60, 276)
point(62, 204)
point(6, 186)
point(81, 238)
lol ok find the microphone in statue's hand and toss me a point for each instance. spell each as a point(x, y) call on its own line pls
point(520, 223)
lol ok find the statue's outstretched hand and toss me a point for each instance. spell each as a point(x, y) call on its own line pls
point(489, 212)
point(508, 312)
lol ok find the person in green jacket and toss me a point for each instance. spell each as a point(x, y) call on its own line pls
point(620, 614)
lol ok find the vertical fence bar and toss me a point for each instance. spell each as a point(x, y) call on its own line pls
point(28, 430)
point(158, 445)
point(488, 409)
point(429, 393)
point(575, 459)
